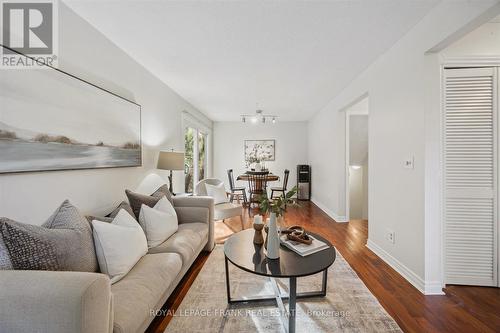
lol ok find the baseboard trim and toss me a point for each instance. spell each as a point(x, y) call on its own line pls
point(324, 208)
point(399, 267)
point(434, 288)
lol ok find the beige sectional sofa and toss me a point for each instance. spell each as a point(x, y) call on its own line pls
point(63, 302)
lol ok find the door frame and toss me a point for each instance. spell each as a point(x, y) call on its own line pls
point(348, 113)
point(465, 62)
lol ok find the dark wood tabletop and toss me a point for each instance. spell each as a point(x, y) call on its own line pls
point(240, 250)
point(270, 177)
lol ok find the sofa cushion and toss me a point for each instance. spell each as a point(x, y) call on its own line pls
point(64, 242)
point(139, 292)
point(188, 238)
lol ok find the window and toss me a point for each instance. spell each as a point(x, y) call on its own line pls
point(196, 153)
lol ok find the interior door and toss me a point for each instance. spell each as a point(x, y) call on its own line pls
point(471, 176)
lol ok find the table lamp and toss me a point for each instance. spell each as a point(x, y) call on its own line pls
point(170, 160)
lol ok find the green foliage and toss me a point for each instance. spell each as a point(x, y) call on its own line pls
point(189, 142)
point(278, 205)
point(188, 159)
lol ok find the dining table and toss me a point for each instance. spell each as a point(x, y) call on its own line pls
point(257, 187)
point(270, 177)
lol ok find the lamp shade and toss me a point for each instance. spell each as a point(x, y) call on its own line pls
point(169, 160)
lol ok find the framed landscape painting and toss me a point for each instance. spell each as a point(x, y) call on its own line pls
point(50, 120)
point(263, 150)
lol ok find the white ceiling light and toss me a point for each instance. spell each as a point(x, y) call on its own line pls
point(259, 116)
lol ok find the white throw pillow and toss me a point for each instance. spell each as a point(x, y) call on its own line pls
point(218, 192)
point(119, 245)
point(159, 222)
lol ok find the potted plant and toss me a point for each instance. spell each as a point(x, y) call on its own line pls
point(275, 208)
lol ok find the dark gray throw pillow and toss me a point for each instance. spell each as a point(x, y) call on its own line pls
point(64, 242)
point(123, 205)
point(110, 217)
point(163, 191)
point(106, 219)
point(136, 201)
point(5, 262)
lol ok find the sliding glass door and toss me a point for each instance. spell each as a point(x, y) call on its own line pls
point(195, 147)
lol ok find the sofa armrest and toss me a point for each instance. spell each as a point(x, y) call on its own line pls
point(55, 302)
point(198, 213)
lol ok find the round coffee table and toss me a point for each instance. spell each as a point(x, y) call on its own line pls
point(240, 250)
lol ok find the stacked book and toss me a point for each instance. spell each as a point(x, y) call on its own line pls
point(304, 249)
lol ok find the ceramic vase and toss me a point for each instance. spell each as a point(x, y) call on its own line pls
point(273, 240)
point(258, 167)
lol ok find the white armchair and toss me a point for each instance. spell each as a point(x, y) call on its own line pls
point(224, 210)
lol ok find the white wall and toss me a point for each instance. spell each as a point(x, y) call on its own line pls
point(291, 148)
point(364, 212)
point(483, 41)
point(86, 53)
point(355, 193)
point(403, 87)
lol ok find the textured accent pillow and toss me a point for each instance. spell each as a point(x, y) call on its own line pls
point(119, 245)
point(218, 192)
point(64, 242)
point(136, 201)
point(159, 222)
point(5, 262)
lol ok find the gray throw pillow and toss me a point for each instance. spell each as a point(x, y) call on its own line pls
point(5, 262)
point(123, 205)
point(163, 191)
point(91, 218)
point(64, 242)
point(136, 201)
point(109, 218)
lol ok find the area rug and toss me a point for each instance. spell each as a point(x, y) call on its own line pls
point(348, 307)
point(223, 230)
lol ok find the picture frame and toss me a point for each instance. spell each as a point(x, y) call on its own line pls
point(52, 120)
point(265, 150)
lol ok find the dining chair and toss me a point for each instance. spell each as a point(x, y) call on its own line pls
point(281, 189)
point(222, 210)
point(234, 190)
point(257, 184)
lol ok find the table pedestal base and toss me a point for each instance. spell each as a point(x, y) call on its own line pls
point(287, 317)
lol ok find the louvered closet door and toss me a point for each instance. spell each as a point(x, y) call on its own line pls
point(470, 174)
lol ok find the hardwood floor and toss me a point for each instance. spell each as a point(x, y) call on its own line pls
point(462, 309)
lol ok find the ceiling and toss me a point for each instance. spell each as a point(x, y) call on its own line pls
point(224, 57)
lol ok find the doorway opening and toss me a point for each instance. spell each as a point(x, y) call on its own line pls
point(357, 160)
